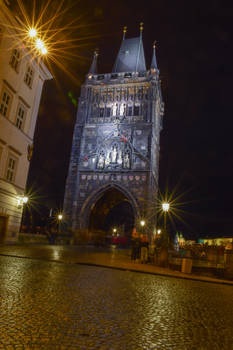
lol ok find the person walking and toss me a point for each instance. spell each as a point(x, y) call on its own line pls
point(144, 248)
point(135, 246)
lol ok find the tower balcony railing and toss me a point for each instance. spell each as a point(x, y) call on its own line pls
point(112, 119)
point(118, 77)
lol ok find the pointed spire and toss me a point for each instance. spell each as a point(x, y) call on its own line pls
point(154, 61)
point(124, 32)
point(141, 28)
point(93, 68)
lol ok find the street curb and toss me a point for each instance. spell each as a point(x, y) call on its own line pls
point(229, 283)
point(223, 282)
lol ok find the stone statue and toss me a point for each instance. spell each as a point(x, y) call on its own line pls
point(119, 160)
point(100, 164)
point(114, 109)
point(107, 162)
point(122, 109)
point(114, 154)
point(126, 160)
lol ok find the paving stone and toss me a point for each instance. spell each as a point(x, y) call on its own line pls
point(49, 305)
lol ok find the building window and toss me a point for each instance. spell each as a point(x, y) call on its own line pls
point(15, 59)
point(11, 168)
point(20, 117)
point(1, 150)
point(5, 102)
point(29, 76)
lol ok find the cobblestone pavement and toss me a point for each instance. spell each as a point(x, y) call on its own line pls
point(51, 305)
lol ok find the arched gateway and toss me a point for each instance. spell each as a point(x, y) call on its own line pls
point(115, 150)
point(109, 196)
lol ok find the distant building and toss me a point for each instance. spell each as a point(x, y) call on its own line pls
point(21, 82)
point(115, 151)
point(223, 241)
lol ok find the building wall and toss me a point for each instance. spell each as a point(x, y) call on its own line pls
point(18, 120)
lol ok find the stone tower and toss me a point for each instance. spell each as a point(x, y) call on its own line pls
point(116, 137)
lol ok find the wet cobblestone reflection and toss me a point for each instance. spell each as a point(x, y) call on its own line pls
point(49, 305)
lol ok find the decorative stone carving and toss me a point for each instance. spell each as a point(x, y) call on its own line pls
point(101, 161)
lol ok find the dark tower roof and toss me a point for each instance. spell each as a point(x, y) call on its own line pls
point(131, 56)
point(93, 68)
point(154, 61)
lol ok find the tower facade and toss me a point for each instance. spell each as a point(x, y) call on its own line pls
point(116, 137)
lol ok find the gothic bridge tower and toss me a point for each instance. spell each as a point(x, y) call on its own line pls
point(115, 150)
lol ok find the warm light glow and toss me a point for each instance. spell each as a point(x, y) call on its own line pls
point(165, 206)
point(32, 33)
point(25, 199)
point(39, 44)
point(44, 51)
point(158, 231)
point(21, 201)
point(114, 230)
point(142, 223)
point(60, 216)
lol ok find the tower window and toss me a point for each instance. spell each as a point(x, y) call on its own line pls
point(108, 112)
point(29, 76)
point(101, 112)
point(5, 103)
point(136, 110)
point(130, 111)
point(114, 76)
point(15, 59)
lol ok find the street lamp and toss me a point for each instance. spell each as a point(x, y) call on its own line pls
point(32, 32)
point(21, 200)
point(142, 223)
point(60, 217)
point(165, 206)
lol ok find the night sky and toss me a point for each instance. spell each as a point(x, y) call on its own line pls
point(195, 56)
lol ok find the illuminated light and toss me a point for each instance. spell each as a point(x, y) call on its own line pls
point(165, 206)
point(39, 44)
point(44, 50)
point(159, 231)
point(25, 199)
point(114, 230)
point(142, 223)
point(32, 33)
point(21, 200)
point(60, 216)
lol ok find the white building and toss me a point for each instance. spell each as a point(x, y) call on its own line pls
point(21, 83)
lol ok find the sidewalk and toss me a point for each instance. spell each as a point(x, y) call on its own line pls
point(122, 261)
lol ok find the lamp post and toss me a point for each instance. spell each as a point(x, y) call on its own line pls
point(60, 217)
point(165, 208)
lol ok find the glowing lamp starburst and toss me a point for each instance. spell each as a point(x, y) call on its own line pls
point(39, 44)
point(165, 206)
point(32, 32)
point(44, 50)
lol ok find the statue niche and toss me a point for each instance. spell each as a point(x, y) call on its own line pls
point(101, 160)
point(126, 159)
